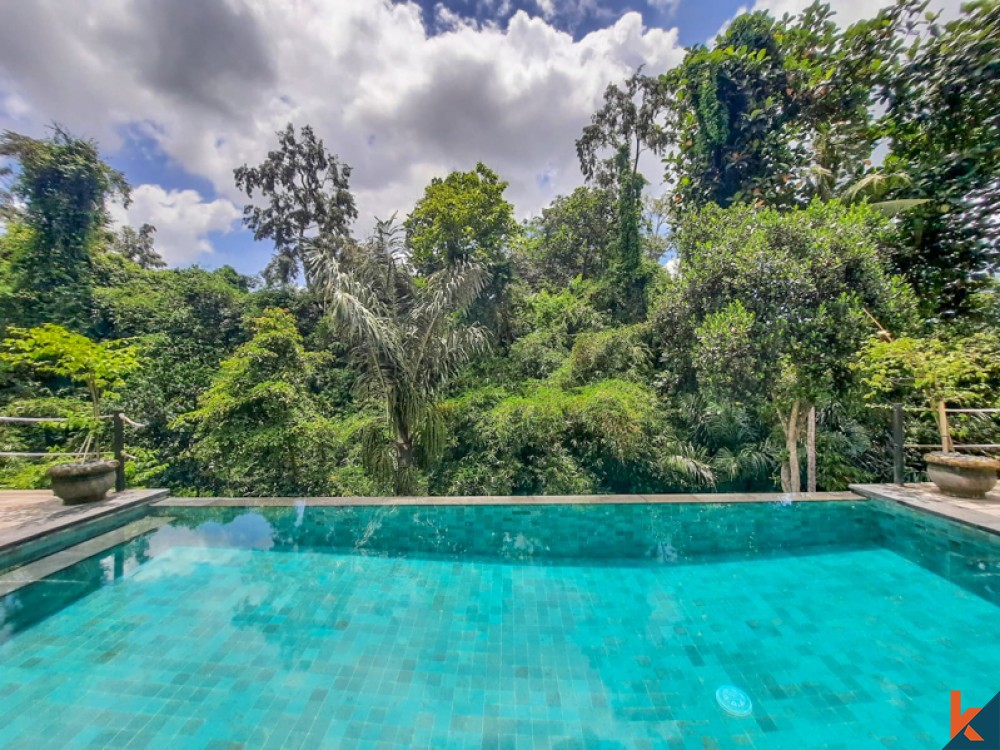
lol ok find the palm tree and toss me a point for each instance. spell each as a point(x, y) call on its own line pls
point(742, 452)
point(406, 340)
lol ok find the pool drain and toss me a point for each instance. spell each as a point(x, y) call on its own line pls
point(734, 701)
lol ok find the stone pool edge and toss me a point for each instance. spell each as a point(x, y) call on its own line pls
point(23, 544)
point(924, 499)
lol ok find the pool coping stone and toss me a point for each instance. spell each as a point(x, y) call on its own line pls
point(35, 539)
point(925, 497)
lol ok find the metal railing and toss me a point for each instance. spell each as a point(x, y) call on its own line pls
point(118, 423)
point(899, 444)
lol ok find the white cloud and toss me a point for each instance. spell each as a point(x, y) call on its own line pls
point(667, 7)
point(211, 81)
point(846, 12)
point(850, 11)
point(182, 220)
point(547, 8)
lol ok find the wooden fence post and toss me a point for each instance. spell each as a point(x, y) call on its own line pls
point(118, 446)
point(898, 436)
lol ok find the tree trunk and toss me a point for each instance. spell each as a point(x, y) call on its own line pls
point(405, 461)
point(791, 480)
point(811, 451)
point(786, 481)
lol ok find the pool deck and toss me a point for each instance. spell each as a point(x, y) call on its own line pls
point(983, 514)
point(286, 502)
point(30, 515)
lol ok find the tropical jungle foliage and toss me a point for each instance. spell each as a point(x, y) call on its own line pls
point(821, 238)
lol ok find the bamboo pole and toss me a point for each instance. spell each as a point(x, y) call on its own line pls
point(946, 444)
point(898, 439)
point(811, 451)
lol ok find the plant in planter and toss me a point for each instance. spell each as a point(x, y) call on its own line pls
point(942, 372)
point(52, 351)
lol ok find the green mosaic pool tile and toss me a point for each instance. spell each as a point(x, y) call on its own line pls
point(424, 653)
point(250, 629)
point(963, 554)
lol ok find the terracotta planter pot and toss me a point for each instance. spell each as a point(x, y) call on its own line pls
point(83, 483)
point(962, 476)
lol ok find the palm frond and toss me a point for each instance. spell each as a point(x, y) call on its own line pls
point(875, 184)
point(895, 207)
point(686, 463)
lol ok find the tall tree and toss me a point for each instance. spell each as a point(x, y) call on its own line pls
point(64, 186)
point(137, 246)
point(776, 112)
point(771, 306)
point(570, 238)
point(632, 117)
point(462, 219)
point(309, 206)
point(407, 342)
point(943, 128)
point(632, 121)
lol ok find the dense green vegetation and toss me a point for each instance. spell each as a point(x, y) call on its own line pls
point(457, 351)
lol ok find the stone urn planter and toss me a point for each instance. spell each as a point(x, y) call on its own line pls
point(962, 476)
point(83, 483)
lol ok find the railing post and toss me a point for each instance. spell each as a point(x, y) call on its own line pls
point(118, 446)
point(898, 437)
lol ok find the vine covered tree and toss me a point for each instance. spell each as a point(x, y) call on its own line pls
point(943, 128)
point(632, 121)
point(62, 187)
point(308, 203)
point(777, 112)
point(625, 282)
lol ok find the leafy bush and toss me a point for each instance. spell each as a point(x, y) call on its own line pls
point(615, 353)
point(258, 429)
point(610, 436)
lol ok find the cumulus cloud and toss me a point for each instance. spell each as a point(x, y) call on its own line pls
point(210, 81)
point(182, 220)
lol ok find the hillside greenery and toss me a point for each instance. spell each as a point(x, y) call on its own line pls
point(820, 238)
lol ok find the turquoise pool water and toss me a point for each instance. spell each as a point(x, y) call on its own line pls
point(847, 624)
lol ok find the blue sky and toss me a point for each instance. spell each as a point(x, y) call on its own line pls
point(697, 21)
point(144, 162)
point(180, 93)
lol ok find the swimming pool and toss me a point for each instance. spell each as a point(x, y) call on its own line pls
point(846, 624)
